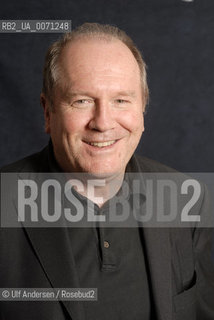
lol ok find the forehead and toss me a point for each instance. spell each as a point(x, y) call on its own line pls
point(98, 59)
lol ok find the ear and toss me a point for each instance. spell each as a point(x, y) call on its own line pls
point(143, 127)
point(46, 107)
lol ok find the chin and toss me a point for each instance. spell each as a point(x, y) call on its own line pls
point(102, 172)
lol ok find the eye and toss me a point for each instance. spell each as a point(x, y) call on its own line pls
point(121, 101)
point(82, 103)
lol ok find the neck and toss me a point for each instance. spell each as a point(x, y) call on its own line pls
point(99, 189)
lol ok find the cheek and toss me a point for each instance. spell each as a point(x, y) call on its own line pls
point(72, 123)
point(132, 121)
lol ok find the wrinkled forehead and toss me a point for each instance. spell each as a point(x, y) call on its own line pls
point(101, 58)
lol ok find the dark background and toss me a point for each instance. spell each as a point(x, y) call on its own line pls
point(177, 41)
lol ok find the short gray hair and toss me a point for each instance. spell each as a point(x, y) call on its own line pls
point(89, 30)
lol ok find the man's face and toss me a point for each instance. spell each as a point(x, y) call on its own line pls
point(97, 120)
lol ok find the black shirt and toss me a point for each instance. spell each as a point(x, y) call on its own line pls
point(112, 260)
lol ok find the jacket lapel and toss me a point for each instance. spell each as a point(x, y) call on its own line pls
point(52, 247)
point(158, 254)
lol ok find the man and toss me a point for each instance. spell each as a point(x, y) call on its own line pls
point(94, 97)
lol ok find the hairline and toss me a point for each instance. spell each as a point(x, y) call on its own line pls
point(58, 77)
point(71, 38)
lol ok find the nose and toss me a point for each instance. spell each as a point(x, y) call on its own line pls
point(103, 117)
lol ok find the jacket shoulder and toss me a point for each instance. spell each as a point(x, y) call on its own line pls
point(37, 162)
point(149, 165)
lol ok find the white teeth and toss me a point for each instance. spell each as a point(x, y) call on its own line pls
point(102, 144)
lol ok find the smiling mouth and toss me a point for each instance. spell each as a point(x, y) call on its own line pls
point(102, 144)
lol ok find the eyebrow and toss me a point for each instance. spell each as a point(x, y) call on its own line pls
point(73, 94)
point(126, 93)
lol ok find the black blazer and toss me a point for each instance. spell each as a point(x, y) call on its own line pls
point(180, 262)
